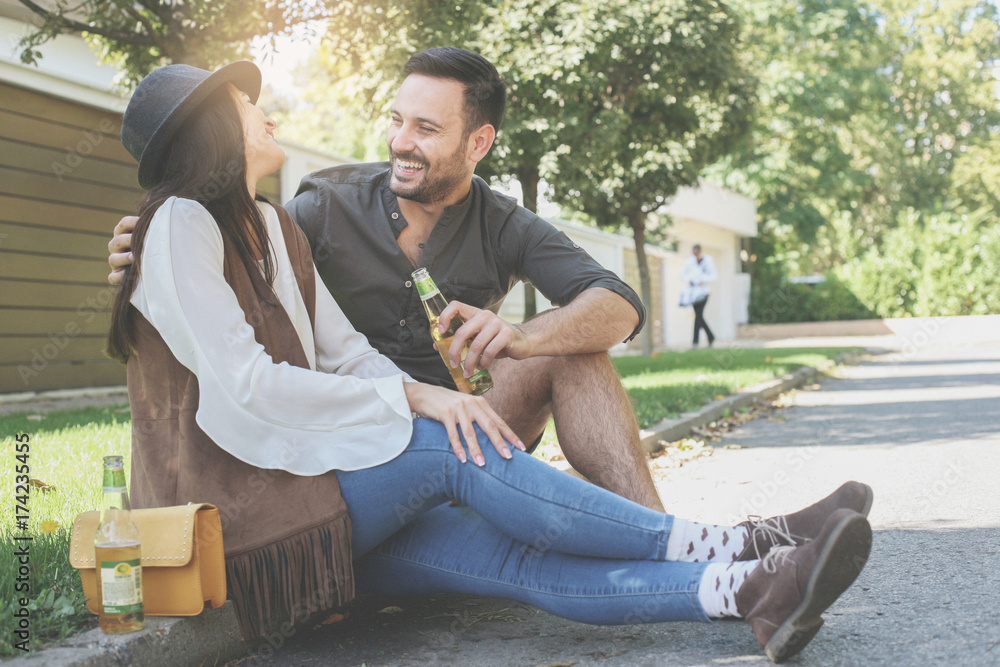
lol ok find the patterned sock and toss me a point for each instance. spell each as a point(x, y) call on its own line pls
point(718, 586)
point(702, 542)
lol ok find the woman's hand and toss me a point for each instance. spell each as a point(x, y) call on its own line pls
point(455, 409)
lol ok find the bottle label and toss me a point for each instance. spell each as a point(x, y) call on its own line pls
point(426, 289)
point(121, 586)
point(114, 481)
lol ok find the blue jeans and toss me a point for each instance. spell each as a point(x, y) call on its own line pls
point(527, 532)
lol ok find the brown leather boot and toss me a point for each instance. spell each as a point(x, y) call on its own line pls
point(794, 530)
point(785, 594)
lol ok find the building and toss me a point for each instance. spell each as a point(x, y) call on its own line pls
point(65, 180)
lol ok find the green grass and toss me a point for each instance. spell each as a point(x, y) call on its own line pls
point(671, 383)
point(67, 448)
point(665, 386)
point(65, 455)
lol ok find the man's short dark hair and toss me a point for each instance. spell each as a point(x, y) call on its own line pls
point(485, 91)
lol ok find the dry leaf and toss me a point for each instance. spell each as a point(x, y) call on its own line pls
point(391, 610)
point(40, 485)
point(335, 618)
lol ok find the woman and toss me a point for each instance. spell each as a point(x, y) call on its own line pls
point(250, 390)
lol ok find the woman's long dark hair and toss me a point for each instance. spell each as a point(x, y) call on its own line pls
point(205, 161)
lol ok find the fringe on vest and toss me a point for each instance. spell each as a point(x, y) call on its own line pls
point(287, 581)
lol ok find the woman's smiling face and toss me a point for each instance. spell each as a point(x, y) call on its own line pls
point(263, 154)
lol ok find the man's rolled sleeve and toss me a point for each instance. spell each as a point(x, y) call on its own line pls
point(622, 289)
point(562, 270)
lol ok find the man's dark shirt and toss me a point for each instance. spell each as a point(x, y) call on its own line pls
point(476, 253)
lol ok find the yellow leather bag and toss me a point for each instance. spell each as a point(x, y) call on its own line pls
point(183, 565)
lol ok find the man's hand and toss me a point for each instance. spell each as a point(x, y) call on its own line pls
point(459, 411)
point(595, 321)
point(120, 248)
point(490, 336)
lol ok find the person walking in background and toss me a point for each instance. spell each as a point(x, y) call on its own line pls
point(698, 271)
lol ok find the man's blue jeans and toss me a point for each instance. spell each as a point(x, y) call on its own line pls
point(527, 532)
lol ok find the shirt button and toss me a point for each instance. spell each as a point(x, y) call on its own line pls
point(409, 283)
point(402, 323)
point(395, 216)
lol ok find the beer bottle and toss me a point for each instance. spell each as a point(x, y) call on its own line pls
point(434, 302)
point(116, 547)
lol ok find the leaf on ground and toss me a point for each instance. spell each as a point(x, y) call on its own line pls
point(334, 618)
point(391, 610)
point(676, 454)
point(44, 487)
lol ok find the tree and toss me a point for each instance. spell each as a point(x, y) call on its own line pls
point(141, 35)
point(537, 60)
point(663, 92)
point(942, 94)
point(818, 86)
point(868, 110)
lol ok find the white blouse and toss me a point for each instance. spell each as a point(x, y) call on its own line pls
point(352, 414)
point(696, 275)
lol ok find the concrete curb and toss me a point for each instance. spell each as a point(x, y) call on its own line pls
point(211, 638)
point(55, 395)
point(214, 637)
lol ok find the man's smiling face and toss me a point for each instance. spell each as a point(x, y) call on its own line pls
point(427, 141)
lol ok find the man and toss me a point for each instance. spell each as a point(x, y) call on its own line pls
point(697, 273)
point(371, 225)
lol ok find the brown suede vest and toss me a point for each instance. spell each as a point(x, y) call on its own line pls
point(286, 537)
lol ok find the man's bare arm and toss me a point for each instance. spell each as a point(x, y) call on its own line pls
point(594, 321)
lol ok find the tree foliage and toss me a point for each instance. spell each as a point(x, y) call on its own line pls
point(931, 264)
point(869, 111)
point(663, 93)
point(141, 35)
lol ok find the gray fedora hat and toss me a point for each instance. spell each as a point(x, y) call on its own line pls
point(165, 99)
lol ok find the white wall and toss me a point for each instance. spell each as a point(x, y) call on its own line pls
point(714, 205)
point(301, 160)
point(717, 219)
point(68, 68)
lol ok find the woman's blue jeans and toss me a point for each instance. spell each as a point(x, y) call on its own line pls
point(526, 532)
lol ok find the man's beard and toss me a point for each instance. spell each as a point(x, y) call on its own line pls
point(431, 189)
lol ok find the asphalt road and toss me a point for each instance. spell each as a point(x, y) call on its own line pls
point(922, 428)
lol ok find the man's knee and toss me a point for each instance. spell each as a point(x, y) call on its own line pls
point(577, 365)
